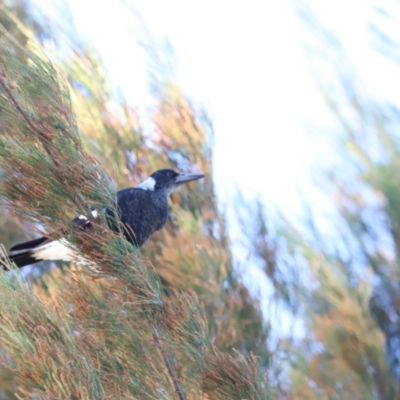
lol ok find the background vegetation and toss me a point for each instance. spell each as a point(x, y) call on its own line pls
point(199, 320)
point(76, 334)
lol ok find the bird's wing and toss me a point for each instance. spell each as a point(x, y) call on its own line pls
point(43, 248)
point(80, 221)
point(29, 245)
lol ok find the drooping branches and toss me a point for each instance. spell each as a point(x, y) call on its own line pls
point(122, 337)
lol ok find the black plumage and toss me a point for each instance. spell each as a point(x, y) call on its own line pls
point(142, 210)
point(143, 220)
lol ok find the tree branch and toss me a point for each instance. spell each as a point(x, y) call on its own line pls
point(25, 117)
point(171, 372)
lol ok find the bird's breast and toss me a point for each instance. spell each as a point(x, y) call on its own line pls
point(143, 211)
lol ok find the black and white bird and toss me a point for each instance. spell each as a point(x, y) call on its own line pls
point(142, 209)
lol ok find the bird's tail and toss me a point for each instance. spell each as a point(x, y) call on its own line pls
point(20, 260)
point(23, 254)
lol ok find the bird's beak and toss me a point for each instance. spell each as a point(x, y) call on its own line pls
point(183, 178)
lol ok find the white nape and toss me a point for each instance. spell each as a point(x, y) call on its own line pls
point(148, 184)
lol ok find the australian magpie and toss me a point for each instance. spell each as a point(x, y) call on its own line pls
point(142, 210)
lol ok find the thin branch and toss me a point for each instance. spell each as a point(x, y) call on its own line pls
point(16, 104)
point(171, 372)
point(26, 117)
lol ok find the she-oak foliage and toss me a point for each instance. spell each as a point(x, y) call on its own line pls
point(347, 293)
point(113, 333)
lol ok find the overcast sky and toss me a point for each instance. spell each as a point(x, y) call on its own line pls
point(246, 61)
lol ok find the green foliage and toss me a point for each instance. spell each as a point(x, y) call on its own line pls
point(122, 337)
point(192, 252)
point(345, 290)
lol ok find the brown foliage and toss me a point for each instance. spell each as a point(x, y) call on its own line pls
point(123, 338)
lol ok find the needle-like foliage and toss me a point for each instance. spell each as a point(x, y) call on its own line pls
point(111, 333)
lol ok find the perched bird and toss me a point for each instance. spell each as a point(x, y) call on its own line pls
point(142, 209)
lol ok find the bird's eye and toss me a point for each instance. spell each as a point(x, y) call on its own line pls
point(169, 173)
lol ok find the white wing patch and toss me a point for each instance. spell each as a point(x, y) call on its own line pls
point(61, 249)
point(57, 250)
point(94, 213)
point(148, 184)
point(84, 218)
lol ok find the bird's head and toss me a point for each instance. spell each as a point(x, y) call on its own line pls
point(167, 179)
